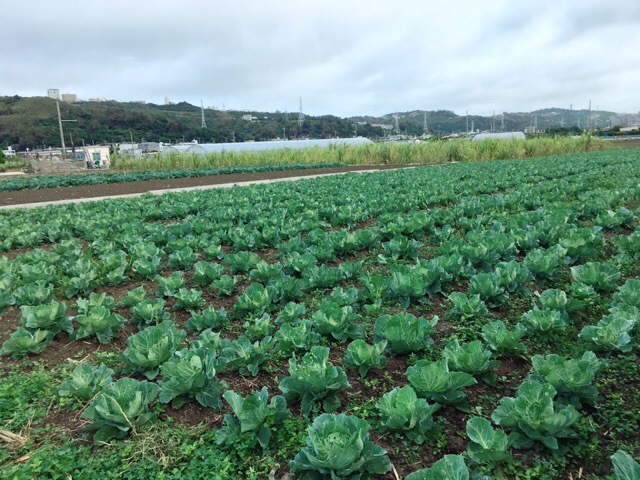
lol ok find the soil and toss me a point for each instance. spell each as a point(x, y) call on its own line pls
point(20, 197)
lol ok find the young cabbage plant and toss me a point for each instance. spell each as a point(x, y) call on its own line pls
point(542, 321)
point(434, 381)
point(338, 322)
point(450, 467)
point(338, 446)
point(252, 416)
point(84, 305)
point(611, 333)
point(256, 299)
point(133, 298)
point(295, 338)
point(24, 341)
point(572, 378)
point(241, 261)
point(466, 307)
point(402, 410)
point(404, 332)
point(208, 318)
point(502, 341)
point(120, 408)
point(34, 293)
point(205, 273)
point(148, 349)
point(49, 316)
point(533, 416)
point(169, 286)
point(224, 286)
point(312, 380)
point(259, 326)
point(364, 357)
point(624, 466)
point(486, 444)
point(189, 300)
point(191, 374)
point(183, 259)
point(86, 381)
point(628, 294)
point(99, 321)
point(149, 312)
point(246, 357)
point(472, 358)
point(545, 264)
point(266, 272)
point(490, 289)
point(602, 276)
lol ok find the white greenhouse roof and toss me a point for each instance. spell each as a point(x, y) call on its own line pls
point(204, 148)
point(501, 135)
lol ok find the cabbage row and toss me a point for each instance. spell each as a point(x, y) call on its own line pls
point(447, 270)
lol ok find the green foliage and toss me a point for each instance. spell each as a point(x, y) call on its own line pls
point(339, 322)
point(545, 264)
point(404, 332)
point(488, 286)
point(466, 307)
point(572, 378)
point(434, 381)
point(191, 374)
point(148, 349)
point(609, 334)
point(256, 299)
point(244, 356)
point(253, 416)
point(208, 318)
point(294, 338)
point(169, 286)
point(471, 358)
point(502, 340)
point(24, 341)
point(401, 409)
point(314, 379)
point(86, 381)
point(133, 298)
point(94, 300)
point(450, 467)
point(205, 273)
point(624, 466)
point(365, 357)
point(50, 316)
point(183, 259)
point(486, 444)
point(338, 446)
point(241, 261)
point(120, 408)
point(99, 321)
point(189, 300)
point(601, 276)
point(534, 417)
point(149, 312)
point(542, 321)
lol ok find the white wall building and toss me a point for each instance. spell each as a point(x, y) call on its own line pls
point(54, 93)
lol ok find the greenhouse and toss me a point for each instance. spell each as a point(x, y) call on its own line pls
point(206, 148)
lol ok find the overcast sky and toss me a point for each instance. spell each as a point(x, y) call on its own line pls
point(342, 57)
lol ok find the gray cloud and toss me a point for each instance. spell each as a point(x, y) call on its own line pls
point(344, 58)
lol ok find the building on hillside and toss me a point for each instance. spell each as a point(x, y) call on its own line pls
point(249, 118)
point(69, 97)
point(9, 152)
point(54, 93)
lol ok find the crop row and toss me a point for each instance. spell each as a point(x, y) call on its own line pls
point(316, 287)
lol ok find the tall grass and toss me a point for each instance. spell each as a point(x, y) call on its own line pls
point(430, 152)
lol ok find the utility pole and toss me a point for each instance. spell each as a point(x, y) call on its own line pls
point(300, 115)
point(204, 123)
point(467, 121)
point(589, 117)
point(61, 132)
point(425, 127)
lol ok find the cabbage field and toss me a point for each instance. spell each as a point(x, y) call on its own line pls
point(461, 321)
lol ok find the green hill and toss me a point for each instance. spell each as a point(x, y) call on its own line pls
point(31, 122)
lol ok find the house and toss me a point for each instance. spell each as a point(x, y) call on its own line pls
point(97, 156)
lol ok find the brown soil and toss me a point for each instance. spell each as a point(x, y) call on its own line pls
point(114, 189)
